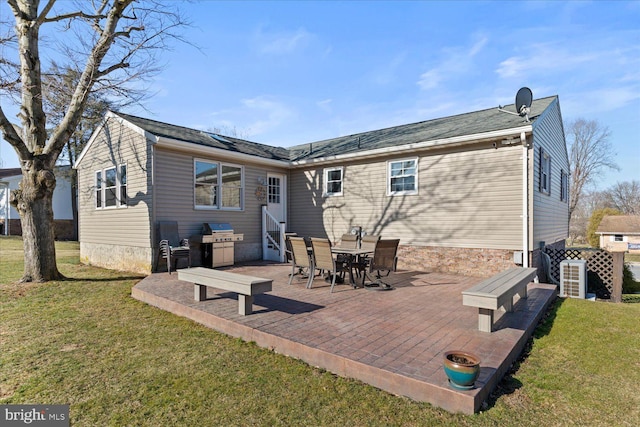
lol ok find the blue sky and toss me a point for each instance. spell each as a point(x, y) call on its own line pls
point(286, 73)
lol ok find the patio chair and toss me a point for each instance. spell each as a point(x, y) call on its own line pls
point(368, 242)
point(301, 259)
point(288, 251)
point(349, 241)
point(384, 259)
point(323, 260)
point(171, 246)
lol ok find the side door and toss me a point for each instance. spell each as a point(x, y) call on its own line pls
point(276, 196)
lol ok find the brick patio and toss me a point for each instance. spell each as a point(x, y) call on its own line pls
point(393, 340)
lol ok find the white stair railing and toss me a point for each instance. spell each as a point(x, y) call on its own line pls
point(272, 237)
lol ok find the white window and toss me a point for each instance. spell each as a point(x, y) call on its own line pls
point(402, 177)
point(218, 185)
point(333, 182)
point(545, 172)
point(111, 187)
point(273, 189)
point(98, 189)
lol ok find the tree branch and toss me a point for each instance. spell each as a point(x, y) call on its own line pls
point(12, 137)
point(79, 14)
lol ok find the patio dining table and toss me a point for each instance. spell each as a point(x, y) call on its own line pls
point(352, 255)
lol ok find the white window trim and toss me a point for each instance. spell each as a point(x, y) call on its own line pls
point(402, 193)
point(325, 182)
point(118, 186)
point(545, 163)
point(219, 186)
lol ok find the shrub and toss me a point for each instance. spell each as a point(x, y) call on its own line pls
point(594, 222)
point(629, 285)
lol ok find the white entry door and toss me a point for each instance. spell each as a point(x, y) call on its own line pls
point(276, 196)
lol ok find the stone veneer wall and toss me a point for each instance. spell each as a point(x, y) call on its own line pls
point(463, 261)
point(125, 258)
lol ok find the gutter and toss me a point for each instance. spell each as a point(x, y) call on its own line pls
point(525, 200)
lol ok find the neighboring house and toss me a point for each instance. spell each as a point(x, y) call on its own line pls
point(62, 212)
point(620, 233)
point(467, 194)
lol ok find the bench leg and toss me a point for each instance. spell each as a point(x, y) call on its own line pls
point(523, 292)
point(199, 292)
point(485, 319)
point(245, 304)
point(508, 306)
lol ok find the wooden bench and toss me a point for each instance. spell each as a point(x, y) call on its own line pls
point(245, 286)
point(497, 291)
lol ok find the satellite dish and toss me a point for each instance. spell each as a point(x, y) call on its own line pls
point(524, 99)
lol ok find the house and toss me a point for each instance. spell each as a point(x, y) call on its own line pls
point(62, 210)
point(471, 194)
point(620, 233)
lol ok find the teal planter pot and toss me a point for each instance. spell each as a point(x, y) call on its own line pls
point(462, 369)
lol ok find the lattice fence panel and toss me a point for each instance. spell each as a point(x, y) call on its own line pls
point(599, 267)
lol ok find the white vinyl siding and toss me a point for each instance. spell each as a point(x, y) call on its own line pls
point(465, 201)
point(174, 199)
point(118, 148)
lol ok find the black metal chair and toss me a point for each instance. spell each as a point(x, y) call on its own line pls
point(172, 247)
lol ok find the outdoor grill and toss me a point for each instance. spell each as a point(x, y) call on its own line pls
point(218, 241)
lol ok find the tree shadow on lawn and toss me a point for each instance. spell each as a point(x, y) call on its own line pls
point(101, 279)
point(508, 385)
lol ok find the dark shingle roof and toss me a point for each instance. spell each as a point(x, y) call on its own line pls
point(447, 127)
point(476, 122)
point(4, 173)
point(208, 139)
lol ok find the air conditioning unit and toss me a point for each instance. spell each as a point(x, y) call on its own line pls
point(573, 278)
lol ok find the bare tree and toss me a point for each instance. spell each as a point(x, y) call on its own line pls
point(112, 43)
point(625, 197)
point(58, 87)
point(590, 154)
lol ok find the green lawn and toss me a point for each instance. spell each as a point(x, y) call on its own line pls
point(116, 361)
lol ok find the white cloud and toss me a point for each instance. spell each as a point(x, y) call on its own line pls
point(457, 62)
point(282, 43)
point(268, 113)
point(325, 105)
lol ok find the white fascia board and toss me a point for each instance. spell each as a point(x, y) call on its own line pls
point(218, 153)
point(436, 143)
point(112, 116)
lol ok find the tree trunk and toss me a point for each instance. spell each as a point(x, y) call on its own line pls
point(33, 201)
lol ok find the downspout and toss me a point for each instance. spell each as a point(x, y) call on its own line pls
point(525, 200)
